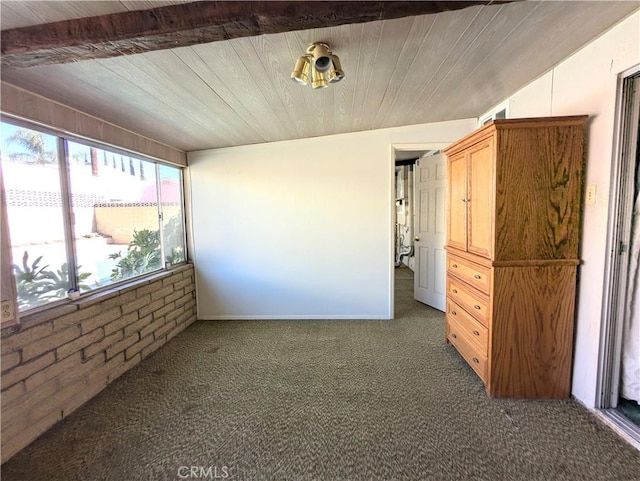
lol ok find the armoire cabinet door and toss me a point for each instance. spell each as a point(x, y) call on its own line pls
point(481, 199)
point(457, 222)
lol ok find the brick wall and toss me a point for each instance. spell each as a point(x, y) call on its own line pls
point(56, 360)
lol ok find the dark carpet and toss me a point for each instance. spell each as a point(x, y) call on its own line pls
point(320, 400)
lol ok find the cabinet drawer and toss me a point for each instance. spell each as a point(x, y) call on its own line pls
point(468, 326)
point(471, 353)
point(476, 275)
point(474, 302)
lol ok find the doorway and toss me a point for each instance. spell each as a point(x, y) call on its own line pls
point(418, 222)
point(619, 373)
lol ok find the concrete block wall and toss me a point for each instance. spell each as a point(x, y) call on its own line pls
point(55, 360)
point(119, 222)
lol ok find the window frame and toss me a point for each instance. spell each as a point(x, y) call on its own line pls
point(63, 137)
point(492, 113)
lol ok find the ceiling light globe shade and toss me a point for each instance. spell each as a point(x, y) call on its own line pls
point(336, 74)
point(318, 80)
point(300, 72)
point(321, 57)
point(336, 62)
point(323, 64)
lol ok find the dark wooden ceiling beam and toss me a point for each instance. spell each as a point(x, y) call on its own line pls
point(186, 24)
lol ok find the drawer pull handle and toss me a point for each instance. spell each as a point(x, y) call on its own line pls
point(454, 313)
point(477, 276)
point(455, 266)
point(476, 307)
point(476, 360)
point(455, 291)
point(476, 333)
point(454, 336)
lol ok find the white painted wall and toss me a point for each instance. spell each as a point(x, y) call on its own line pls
point(301, 229)
point(586, 83)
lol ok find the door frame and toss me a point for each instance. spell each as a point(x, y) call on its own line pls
point(393, 148)
point(618, 233)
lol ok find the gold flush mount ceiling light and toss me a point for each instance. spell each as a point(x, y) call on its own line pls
point(323, 65)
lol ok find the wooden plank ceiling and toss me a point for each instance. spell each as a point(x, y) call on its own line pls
point(426, 68)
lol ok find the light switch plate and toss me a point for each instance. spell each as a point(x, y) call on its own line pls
point(591, 194)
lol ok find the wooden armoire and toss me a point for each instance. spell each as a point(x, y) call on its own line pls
point(513, 230)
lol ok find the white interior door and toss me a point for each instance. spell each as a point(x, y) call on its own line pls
point(430, 230)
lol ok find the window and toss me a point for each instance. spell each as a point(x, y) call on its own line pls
point(73, 206)
point(172, 214)
point(501, 111)
point(35, 215)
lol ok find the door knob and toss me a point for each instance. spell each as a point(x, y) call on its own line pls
point(416, 238)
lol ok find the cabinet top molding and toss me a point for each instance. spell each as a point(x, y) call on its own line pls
point(524, 123)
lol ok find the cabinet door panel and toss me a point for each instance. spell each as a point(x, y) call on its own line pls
point(481, 182)
point(457, 195)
